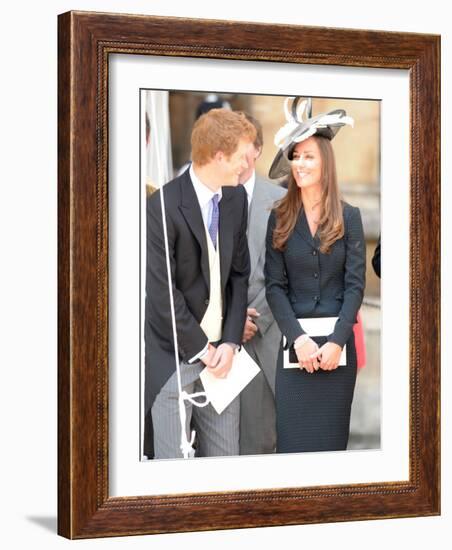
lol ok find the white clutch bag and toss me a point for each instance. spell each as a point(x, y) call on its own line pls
point(322, 326)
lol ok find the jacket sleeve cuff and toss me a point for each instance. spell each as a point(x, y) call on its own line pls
point(342, 332)
point(198, 356)
point(292, 335)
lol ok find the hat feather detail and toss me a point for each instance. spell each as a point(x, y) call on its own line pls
point(292, 121)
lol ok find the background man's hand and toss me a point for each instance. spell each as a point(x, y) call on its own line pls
point(250, 328)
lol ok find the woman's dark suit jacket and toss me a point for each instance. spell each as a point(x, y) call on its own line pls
point(303, 282)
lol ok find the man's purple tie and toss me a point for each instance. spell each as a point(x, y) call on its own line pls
point(213, 227)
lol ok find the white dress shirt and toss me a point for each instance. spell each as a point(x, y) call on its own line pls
point(204, 196)
point(249, 188)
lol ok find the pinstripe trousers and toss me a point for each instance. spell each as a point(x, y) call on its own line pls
point(216, 435)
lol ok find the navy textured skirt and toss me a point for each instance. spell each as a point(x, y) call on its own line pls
point(313, 410)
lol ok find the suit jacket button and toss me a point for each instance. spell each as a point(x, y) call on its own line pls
point(316, 275)
point(314, 252)
point(316, 298)
point(206, 302)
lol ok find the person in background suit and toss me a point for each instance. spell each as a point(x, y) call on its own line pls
point(211, 101)
point(376, 259)
point(261, 335)
point(315, 267)
point(206, 216)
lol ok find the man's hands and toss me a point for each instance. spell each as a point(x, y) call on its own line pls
point(250, 329)
point(208, 357)
point(219, 360)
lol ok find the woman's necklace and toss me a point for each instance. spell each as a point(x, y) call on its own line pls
point(313, 221)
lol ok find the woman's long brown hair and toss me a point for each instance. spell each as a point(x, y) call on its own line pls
point(331, 222)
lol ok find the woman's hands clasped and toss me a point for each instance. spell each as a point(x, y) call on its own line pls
point(328, 356)
point(305, 356)
point(312, 358)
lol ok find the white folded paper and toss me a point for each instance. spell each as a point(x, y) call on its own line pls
point(221, 391)
point(322, 326)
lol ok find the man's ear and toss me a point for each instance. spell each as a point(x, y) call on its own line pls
point(258, 152)
point(219, 156)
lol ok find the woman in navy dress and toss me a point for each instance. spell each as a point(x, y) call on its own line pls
point(315, 267)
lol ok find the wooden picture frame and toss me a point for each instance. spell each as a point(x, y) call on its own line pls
point(85, 42)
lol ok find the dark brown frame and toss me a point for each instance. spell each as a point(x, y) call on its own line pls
point(85, 41)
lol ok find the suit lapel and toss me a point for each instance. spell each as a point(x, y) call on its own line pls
point(191, 211)
point(226, 233)
point(257, 226)
point(302, 228)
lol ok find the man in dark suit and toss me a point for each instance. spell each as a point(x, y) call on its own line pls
point(206, 217)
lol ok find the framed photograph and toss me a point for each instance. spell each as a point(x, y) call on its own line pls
point(130, 90)
point(167, 118)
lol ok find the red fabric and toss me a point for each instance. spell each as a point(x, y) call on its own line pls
point(360, 344)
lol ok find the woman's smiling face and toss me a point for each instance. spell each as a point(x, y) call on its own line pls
point(307, 163)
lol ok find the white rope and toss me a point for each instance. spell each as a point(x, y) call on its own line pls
point(186, 446)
